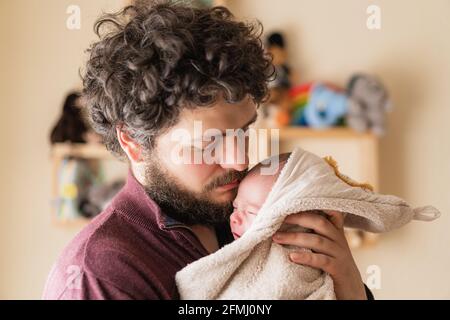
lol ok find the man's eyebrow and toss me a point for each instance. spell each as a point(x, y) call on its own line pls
point(252, 120)
point(223, 133)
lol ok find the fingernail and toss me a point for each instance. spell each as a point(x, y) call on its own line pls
point(295, 256)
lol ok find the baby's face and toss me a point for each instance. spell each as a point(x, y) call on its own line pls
point(252, 193)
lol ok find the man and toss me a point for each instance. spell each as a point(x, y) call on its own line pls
point(158, 70)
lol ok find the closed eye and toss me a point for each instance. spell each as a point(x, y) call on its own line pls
point(208, 147)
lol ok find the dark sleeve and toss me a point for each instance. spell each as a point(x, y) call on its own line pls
point(369, 293)
point(81, 286)
point(118, 275)
point(97, 289)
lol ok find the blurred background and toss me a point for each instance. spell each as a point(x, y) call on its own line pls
point(406, 47)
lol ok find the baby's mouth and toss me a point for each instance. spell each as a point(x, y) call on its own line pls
point(236, 235)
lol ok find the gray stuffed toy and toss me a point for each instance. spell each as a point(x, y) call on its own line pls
point(368, 104)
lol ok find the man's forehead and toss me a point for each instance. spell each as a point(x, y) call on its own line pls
point(221, 116)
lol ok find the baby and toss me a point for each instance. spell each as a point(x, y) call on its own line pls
point(254, 266)
point(255, 188)
point(253, 191)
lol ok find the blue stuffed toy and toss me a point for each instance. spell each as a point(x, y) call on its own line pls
point(325, 107)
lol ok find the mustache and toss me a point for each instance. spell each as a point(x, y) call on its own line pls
point(227, 178)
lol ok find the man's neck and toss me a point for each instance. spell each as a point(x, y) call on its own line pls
point(138, 171)
point(207, 237)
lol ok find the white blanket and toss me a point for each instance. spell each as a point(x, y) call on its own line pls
point(254, 267)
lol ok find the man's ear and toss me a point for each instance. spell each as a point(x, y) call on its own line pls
point(129, 146)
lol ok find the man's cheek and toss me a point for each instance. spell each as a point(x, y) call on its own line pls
point(198, 174)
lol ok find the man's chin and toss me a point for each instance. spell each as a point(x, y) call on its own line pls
point(212, 207)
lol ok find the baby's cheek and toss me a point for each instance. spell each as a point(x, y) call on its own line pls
point(248, 221)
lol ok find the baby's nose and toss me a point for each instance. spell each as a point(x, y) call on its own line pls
point(235, 218)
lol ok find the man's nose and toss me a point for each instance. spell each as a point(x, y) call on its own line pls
point(236, 158)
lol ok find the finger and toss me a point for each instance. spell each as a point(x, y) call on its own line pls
point(318, 223)
point(311, 241)
point(336, 218)
point(314, 260)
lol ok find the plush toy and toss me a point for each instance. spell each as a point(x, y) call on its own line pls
point(299, 97)
point(284, 77)
point(71, 127)
point(326, 106)
point(276, 46)
point(368, 105)
point(318, 105)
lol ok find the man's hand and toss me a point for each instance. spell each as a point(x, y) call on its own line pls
point(330, 251)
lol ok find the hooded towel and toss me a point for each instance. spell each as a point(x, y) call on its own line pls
point(255, 267)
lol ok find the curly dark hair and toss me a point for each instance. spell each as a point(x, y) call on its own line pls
point(155, 58)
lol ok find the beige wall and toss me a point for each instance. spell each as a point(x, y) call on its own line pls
point(328, 40)
point(39, 64)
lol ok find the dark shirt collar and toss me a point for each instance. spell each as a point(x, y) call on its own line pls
point(134, 202)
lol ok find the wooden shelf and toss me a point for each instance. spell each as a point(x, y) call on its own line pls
point(355, 152)
point(81, 150)
point(337, 132)
point(77, 223)
point(61, 151)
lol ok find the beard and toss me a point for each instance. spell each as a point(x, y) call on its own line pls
point(184, 205)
